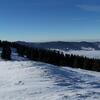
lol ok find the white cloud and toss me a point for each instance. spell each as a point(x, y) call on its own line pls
point(93, 8)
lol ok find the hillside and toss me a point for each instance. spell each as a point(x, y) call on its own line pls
point(29, 80)
point(64, 45)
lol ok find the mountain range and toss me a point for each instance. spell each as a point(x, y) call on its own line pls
point(63, 45)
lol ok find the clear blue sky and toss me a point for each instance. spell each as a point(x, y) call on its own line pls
point(49, 20)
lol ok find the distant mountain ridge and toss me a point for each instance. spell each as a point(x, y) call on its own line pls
point(63, 45)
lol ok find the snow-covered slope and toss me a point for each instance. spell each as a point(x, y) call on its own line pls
point(28, 80)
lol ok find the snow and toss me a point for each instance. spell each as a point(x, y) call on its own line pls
point(30, 80)
point(88, 49)
point(86, 53)
point(15, 57)
point(89, 54)
point(21, 79)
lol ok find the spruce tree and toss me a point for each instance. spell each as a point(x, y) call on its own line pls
point(6, 53)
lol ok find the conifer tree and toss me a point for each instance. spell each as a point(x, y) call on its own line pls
point(6, 53)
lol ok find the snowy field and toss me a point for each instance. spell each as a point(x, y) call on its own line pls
point(90, 54)
point(28, 80)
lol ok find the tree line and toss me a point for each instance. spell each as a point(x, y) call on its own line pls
point(52, 57)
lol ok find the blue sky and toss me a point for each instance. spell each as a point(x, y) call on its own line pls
point(49, 20)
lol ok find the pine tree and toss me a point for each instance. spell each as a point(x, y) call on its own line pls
point(6, 53)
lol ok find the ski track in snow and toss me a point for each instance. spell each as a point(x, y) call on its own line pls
point(28, 80)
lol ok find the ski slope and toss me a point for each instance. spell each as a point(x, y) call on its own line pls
point(29, 80)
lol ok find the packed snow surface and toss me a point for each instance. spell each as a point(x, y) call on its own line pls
point(28, 80)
